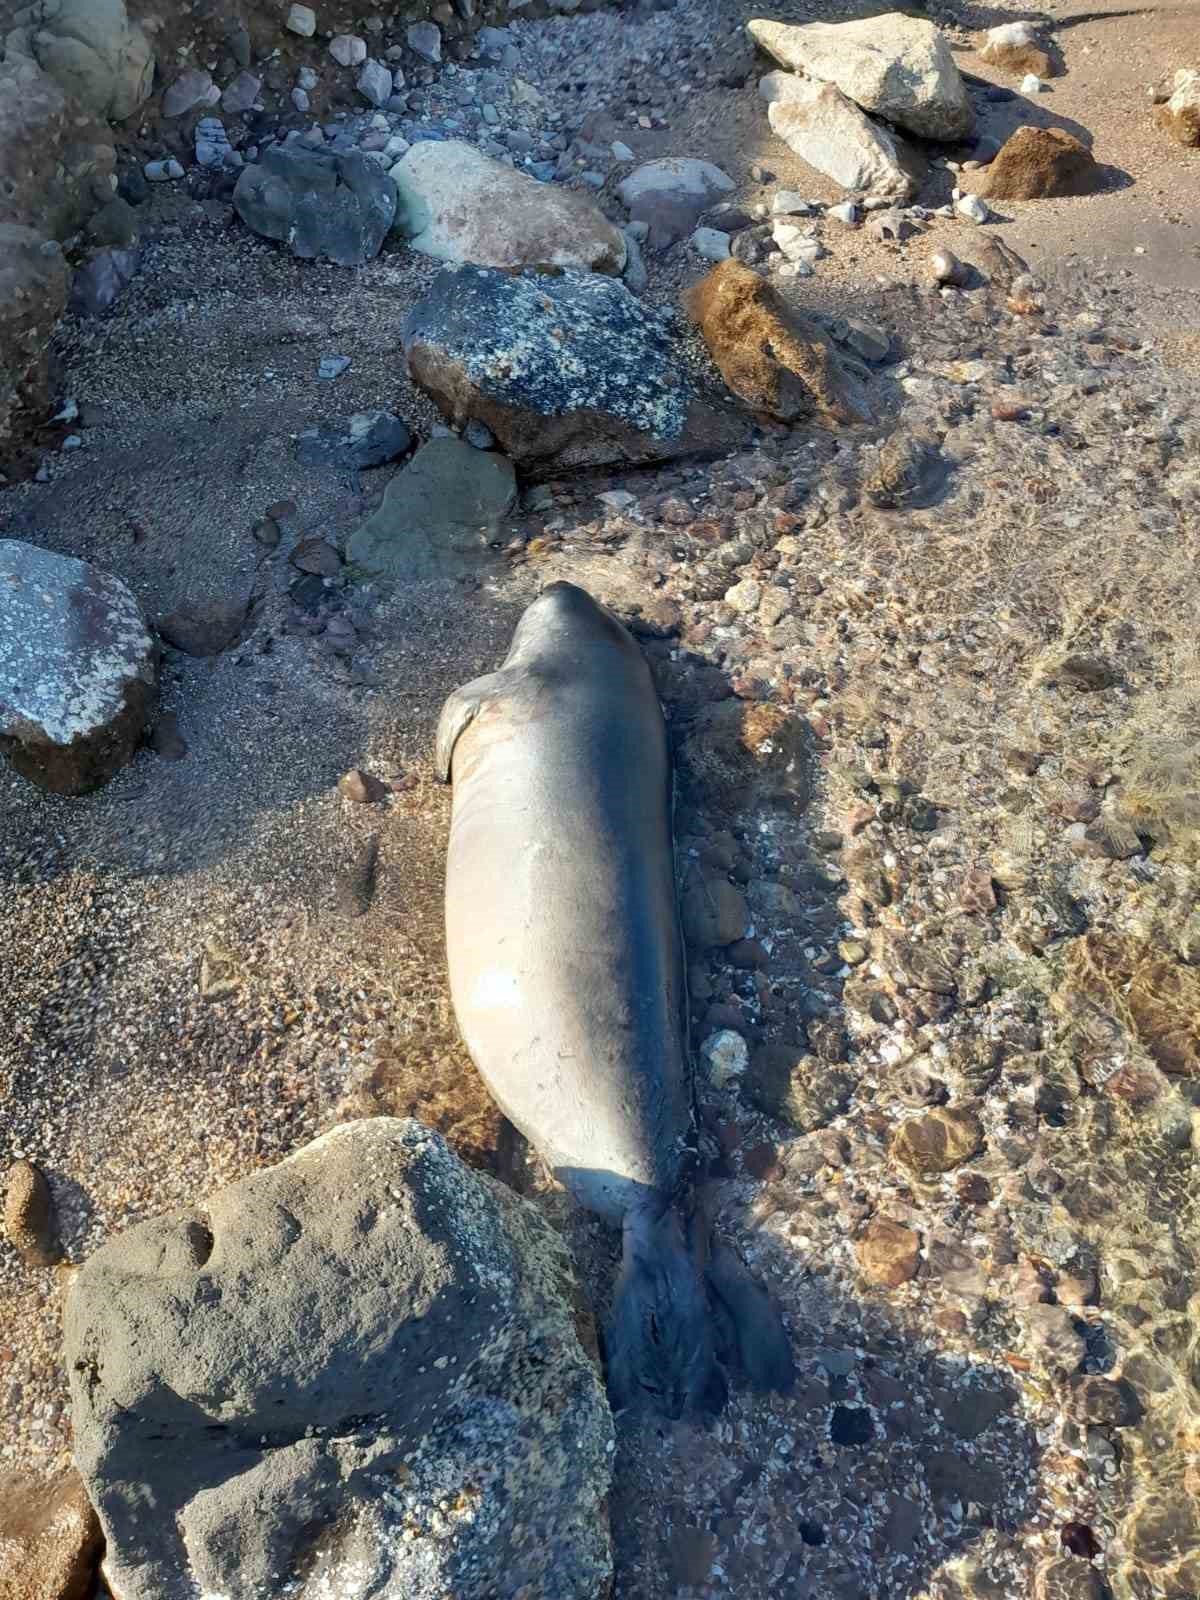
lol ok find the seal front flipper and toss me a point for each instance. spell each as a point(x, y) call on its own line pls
point(458, 713)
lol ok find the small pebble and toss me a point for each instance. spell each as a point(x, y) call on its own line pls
point(947, 268)
point(622, 152)
point(725, 1055)
point(846, 213)
point(479, 435)
point(348, 50)
point(711, 243)
point(788, 203)
point(425, 40)
point(302, 20)
point(332, 366)
point(1031, 84)
point(162, 171)
point(973, 208)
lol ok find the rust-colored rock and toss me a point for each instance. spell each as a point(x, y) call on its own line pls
point(29, 1216)
point(888, 1253)
point(739, 750)
point(772, 358)
point(50, 1539)
point(1180, 115)
point(1041, 164)
point(938, 1141)
point(1155, 999)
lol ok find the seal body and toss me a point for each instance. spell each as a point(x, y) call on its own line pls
point(567, 976)
point(562, 929)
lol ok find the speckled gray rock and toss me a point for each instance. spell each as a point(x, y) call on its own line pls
point(458, 204)
point(94, 50)
point(671, 195)
point(78, 669)
point(568, 372)
point(338, 207)
point(439, 516)
point(896, 66)
point(356, 1374)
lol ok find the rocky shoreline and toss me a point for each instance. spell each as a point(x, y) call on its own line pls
point(928, 672)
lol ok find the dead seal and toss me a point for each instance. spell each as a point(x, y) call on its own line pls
point(567, 977)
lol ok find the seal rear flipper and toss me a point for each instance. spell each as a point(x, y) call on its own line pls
point(660, 1345)
point(760, 1338)
point(459, 711)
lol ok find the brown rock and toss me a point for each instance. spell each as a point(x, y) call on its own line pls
point(1041, 164)
point(34, 283)
point(29, 1216)
point(1106, 1402)
point(166, 740)
point(314, 555)
point(1068, 1578)
point(1180, 116)
point(1154, 998)
point(888, 1253)
point(978, 892)
point(797, 1088)
point(361, 787)
point(1018, 59)
point(714, 913)
point(50, 1539)
point(739, 750)
point(773, 359)
point(938, 1141)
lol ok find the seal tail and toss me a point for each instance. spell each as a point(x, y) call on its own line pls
point(661, 1347)
point(683, 1308)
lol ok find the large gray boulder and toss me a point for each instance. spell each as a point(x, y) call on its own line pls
point(318, 203)
point(827, 130)
point(56, 165)
point(92, 48)
point(570, 371)
point(670, 196)
point(78, 669)
point(459, 205)
point(354, 1374)
point(896, 66)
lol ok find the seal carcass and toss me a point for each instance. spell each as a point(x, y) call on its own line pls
point(567, 976)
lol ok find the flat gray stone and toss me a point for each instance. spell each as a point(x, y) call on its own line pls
point(78, 669)
point(425, 40)
point(338, 207)
point(439, 514)
point(305, 1370)
point(671, 195)
point(367, 439)
point(568, 370)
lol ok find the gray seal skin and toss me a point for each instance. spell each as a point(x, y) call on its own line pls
point(567, 978)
